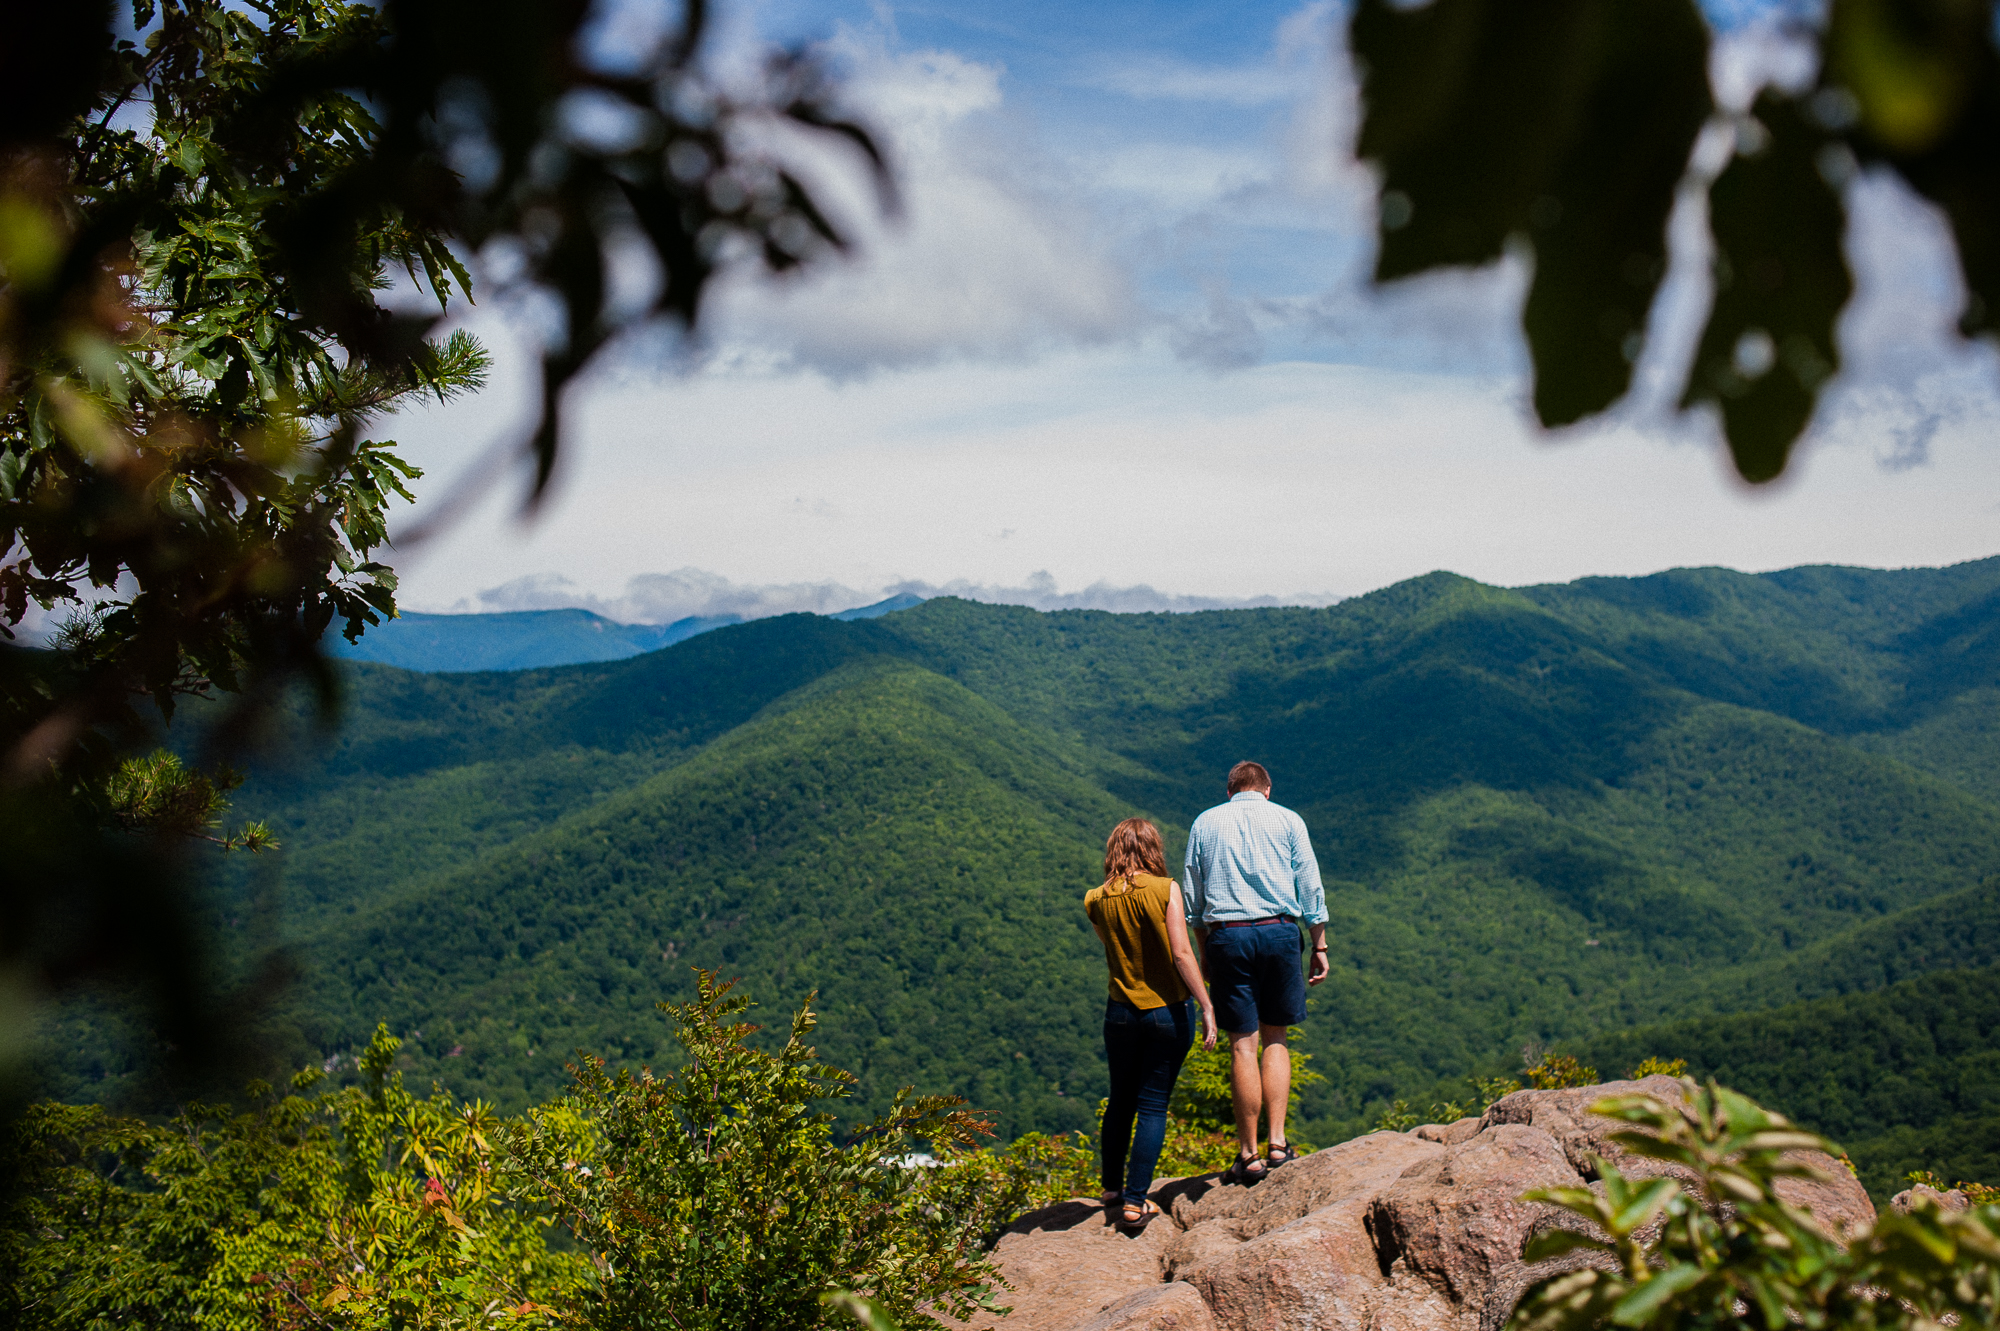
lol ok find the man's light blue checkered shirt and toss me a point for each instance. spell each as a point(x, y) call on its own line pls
point(1251, 859)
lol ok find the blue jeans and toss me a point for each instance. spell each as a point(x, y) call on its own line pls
point(1145, 1047)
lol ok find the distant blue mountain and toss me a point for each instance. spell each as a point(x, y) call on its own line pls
point(526, 639)
point(516, 640)
point(880, 608)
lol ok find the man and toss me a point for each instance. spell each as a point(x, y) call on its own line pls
point(1251, 877)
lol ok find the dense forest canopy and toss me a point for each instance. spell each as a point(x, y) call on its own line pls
point(1545, 814)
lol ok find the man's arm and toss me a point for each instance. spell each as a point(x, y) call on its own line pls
point(1195, 888)
point(1320, 966)
point(1312, 898)
point(1192, 975)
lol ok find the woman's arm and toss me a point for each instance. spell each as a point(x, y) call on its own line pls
point(1189, 968)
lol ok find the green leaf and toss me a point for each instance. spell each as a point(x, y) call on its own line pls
point(1645, 1203)
point(1556, 1242)
point(1961, 172)
point(1566, 122)
point(1636, 1308)
point(1781, 279)
point(863, 1310)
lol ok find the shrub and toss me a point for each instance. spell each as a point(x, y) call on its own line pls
point(364, 1207)
point(1197, 1148)
point(1556, 1071)
point(1732, 1253)
point(1660, 1067)
point(1398, 1117)
point(1491, 1089)
point(1979, 1194)
point(987, 1189)
point(717, 1197)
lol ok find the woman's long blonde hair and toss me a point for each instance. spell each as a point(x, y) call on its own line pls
point(1133, 847)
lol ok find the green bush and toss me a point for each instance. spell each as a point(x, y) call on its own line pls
point(1732, 1253)
point(1557, 1071)
point(716, 1196)
point(1655, 1066)
point(361, 1208)
point(1979, 1194)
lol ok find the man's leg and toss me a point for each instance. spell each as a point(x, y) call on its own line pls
point(1246, 1089)
point(1277, 1084)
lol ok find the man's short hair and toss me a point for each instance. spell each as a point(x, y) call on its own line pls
point(1248, 776)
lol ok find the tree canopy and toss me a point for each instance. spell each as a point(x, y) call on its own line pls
point(202, 215)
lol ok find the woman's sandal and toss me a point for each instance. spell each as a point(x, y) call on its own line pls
point(1280, 1155)
point(1135, 1218)
point(1247, 1170)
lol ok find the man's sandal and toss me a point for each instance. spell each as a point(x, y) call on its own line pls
point(1281, 1155)
point(1136, 1218)
point(1247, 1170)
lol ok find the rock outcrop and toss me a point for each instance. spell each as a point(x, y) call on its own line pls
point(1954, 1200)
point(1395, 1231)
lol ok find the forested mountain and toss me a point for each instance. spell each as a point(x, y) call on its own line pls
point(1544, 814)
point(524, 639)
point(1906, 1077)
point(514, 640)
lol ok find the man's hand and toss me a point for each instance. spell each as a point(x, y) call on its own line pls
point(1319, 966)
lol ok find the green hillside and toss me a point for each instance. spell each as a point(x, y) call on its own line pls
point(785, 851)
point(1548, 813)
point(1905, 1077)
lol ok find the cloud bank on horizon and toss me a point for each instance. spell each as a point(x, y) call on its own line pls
point(693, 593)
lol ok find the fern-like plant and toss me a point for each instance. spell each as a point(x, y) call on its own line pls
point(1732, 1253)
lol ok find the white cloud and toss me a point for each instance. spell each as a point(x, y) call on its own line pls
point(1225, 338)
point(690, 593)
point(663, 598)
point(1119, 467)
point(1170, 78)
point(1177, 175)
point(1039, 592)
point(996, 254)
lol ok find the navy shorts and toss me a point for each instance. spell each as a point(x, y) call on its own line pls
point(1256, 976)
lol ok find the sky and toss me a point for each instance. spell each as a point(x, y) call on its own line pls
point(1119, 350)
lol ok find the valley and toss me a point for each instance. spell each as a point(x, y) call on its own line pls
point(1584, 815)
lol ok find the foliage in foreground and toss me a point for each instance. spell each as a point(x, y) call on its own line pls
point(202, 204)
point(1904, 1077)
point(714, 1196)
point(718, 1196)
point(1730, 1252)
point(1569, 131)
point(361, 1207)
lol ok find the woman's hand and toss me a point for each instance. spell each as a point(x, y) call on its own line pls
point(1208, 1028)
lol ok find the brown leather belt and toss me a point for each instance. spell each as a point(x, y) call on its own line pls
point(1252, 924)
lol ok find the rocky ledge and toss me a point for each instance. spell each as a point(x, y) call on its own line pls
point(1395, 1231)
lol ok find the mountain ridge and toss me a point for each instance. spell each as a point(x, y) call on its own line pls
point(1534, 824)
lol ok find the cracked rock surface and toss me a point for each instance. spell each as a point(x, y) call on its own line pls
point(1395, 1231)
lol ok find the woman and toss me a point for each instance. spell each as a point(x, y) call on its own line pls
point(1138, 915)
